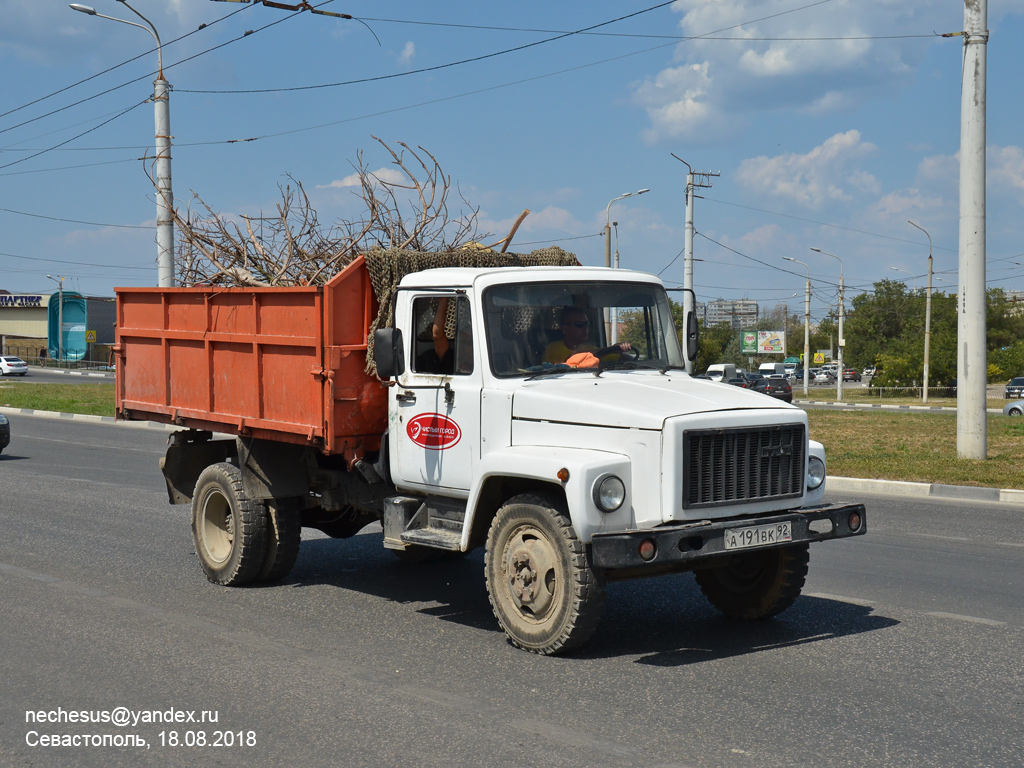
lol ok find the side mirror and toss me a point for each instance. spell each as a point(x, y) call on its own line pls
point(692, 336)
point(388, 352)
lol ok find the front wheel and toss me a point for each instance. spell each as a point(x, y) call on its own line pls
point(543, 590)
point(756, 584)
point(228, 528)
point(1015, 412)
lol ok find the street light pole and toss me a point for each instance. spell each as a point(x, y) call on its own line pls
point(842, 314)
point(60, 318)
point(162, 179)
point(927, 315)
point(608, 246)
point(906, 272)
point(807, 323)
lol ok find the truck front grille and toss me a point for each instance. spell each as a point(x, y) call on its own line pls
point(729, 466)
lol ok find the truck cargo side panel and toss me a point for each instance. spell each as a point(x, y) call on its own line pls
point(281, 363)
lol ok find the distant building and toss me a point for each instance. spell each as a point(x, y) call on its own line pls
point(738, 313)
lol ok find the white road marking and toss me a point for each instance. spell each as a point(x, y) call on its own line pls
point(972, 619)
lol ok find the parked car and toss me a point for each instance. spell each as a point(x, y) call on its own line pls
point(1016, 408)
point(739, 381)
point(774, 386)
point(5, 432)
point(1015, 388)
point(869, 371)
point(850, 374)
point(13, 365)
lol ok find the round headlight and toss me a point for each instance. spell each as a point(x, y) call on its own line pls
point(609, 493)
point(815, 472)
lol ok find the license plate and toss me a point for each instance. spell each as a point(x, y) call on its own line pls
point(758, 535)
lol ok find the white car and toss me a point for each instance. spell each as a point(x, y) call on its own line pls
point(13, 365)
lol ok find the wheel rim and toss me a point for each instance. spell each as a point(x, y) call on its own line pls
point(743, 572)
point(217, 527)
point(530, 566)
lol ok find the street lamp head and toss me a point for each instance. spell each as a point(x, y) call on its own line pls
point(642, 191)
point(83, 9)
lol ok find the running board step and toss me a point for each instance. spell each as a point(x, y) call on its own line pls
point(434, 537)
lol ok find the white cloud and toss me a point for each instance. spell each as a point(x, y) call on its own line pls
point(551, 218)
point(387, 175)
point(408, 52)
point(1006, 168)
point(716, 82)
point(677, 101)
point(826, 173)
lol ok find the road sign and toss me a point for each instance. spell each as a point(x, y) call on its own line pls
point(90, 336)
point(819, 358)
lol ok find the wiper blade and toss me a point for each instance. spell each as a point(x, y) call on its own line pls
point(551, 370)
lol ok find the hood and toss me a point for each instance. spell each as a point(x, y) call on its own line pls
point(638, 399)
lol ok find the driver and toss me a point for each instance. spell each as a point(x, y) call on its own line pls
point(575, 332)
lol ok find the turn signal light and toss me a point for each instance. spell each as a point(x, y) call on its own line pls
point(854, 521)
point(647, 550)
point(563, 475)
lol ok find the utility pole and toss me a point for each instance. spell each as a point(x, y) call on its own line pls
point(162, 175)
point(972, 366)
point(842, 314)
point(694, 179)
point(807, 323)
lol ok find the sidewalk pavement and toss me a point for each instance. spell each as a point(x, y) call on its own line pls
point(833, 483)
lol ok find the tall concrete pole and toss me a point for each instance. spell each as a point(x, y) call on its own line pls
point(164, 195)
point(688, 304)
point(162, 172)
point(972, 365)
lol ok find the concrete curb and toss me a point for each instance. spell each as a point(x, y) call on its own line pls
point(86, 417)
point(95, 374)
point(841, 484)
point(925, 490)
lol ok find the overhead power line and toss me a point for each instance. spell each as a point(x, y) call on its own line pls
point(117, 66)
point(77, 221)
point(436, 67)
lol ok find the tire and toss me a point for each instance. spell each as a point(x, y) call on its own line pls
point(758, 584)
point(543, 591)
point(1015, 412)
point(284, 535)
point(229, 529)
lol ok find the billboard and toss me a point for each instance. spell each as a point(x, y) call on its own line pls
point(762, 342)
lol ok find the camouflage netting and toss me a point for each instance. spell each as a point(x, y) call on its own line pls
point(388, 267)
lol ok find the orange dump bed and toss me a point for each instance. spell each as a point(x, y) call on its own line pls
point(276, 363)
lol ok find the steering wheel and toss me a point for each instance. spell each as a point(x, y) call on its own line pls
point(631, 355)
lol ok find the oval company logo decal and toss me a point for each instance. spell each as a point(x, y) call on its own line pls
point(433, 431)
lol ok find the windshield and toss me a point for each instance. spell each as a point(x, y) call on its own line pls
point(532, 327)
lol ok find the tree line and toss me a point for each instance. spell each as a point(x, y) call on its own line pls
point(885, 328)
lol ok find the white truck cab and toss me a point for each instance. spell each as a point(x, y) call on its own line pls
point(615, 464)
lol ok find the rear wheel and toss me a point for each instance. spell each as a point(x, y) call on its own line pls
point(544, 592)
point(284, 535)
point(228, 528)
point(1015, 412)
point(756, 584)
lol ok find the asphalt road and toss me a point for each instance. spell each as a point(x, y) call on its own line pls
point(905, 649)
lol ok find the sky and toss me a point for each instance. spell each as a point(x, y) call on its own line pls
point(830, 122)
